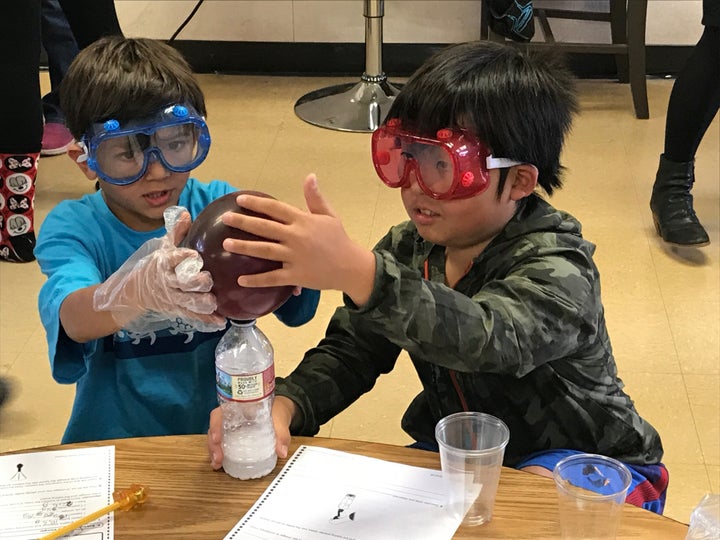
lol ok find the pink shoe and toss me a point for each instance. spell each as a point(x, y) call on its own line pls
point(56, 139)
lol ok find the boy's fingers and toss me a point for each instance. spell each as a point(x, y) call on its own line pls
point(256, 248)
point(177, 222)
point(282, 437)
point(175, 256)
point(271, 207)
point(274, 278)
point(215, 438)
point(181, 228)
point(314, 200)
point(216, 424)
point(265, 228)
point(195, 304)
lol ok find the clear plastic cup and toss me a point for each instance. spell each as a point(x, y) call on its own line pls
point(472, 446)
point(591, 492)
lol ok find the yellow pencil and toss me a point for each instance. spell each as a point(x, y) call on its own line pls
point(125, 499)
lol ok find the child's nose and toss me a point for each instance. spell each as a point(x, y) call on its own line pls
point(155, 169)
point(412, 176)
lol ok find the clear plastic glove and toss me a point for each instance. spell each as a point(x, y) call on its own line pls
point(161, 285)
point(705, 519)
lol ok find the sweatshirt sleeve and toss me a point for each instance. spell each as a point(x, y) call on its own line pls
point(536, 301)
point(541, 306)
point(335, 373)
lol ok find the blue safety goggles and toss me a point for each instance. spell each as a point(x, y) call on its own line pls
point(177, 137)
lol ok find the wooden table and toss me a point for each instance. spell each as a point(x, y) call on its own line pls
point(188, 500)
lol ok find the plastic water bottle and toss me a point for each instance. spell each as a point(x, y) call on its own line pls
point(245, 378)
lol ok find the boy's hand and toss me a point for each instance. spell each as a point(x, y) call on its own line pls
point(159, 282)
point(282, 414)
point(215, 438)
point(312, 245)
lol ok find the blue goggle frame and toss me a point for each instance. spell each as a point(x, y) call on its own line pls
point(172, 115)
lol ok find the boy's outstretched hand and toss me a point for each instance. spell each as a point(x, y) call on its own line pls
point(282, 414)
point(311, 244)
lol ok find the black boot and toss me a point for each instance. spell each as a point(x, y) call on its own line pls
point(672, 205)
point(512, 19)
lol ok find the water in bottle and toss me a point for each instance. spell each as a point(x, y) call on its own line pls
point(245, 376)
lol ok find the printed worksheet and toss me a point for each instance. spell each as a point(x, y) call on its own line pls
point(324, 494)
point(43, 491)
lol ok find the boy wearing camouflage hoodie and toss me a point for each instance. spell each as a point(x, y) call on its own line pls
point(492, 291)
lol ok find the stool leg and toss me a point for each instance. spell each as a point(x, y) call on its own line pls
point(361, 106)
point(484, 24)
point(636, 17)
point(373, 12)
point(619, 32)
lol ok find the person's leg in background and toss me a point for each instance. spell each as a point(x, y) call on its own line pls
point(91, 19)
point(20, 126)
point(61, 49)
point(21, 122)
point(694, 101)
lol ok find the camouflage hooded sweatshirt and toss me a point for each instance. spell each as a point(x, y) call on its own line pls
point(522, 337)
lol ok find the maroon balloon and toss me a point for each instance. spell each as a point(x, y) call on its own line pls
point(206, 235)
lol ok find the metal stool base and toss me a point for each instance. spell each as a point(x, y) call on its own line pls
point(359, 107)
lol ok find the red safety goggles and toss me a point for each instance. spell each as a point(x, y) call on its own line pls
point(454, 165)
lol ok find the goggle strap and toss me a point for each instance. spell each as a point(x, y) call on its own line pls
point(85, 155)
point(500, 163)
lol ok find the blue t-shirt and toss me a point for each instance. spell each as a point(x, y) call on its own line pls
point(129, 385)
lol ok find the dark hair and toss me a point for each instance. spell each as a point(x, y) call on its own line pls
point(520, 104)
point(125, 78)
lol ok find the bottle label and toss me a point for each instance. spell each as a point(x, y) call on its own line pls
point(252, 387)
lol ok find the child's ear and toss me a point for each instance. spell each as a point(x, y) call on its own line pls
point(523, 181)
point(78, 154)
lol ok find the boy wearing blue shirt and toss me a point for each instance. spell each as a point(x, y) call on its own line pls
point(129, 316)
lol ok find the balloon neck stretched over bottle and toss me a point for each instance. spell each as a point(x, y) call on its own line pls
point(237, 322)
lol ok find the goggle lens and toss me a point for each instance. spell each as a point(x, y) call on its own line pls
point(125, 157)
point(398, 159)
point(449, 167)
point(177, 137)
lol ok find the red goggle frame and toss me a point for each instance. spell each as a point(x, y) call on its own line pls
point(454, 165)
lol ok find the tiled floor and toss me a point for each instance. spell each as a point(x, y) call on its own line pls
point(662, 306)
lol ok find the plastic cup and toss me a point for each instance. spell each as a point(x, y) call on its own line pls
point(591, 491)
point(472, 446)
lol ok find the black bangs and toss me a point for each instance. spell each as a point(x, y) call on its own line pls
point(427, 102)
point(521, 105)
point(422, 116)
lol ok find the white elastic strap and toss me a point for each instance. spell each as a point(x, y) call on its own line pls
point(84, 156)
point(500, 163)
